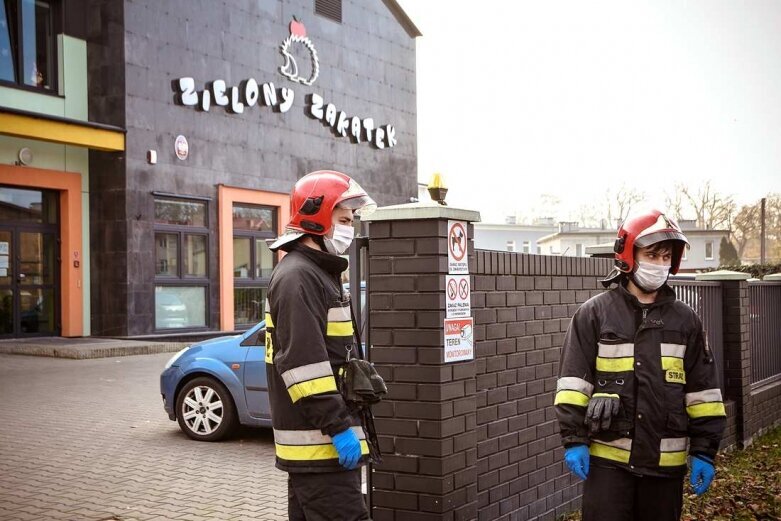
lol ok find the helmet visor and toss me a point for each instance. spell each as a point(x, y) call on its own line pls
point(661, 235)
point(356, 199)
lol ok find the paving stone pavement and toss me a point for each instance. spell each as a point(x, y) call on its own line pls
point(88, 440)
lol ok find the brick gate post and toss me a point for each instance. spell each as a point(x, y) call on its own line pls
point(427, 423)
point(737, 347)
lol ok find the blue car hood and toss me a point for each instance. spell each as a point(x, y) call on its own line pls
point(219, 345)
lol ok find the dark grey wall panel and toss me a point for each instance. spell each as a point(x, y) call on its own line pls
point(367, 69)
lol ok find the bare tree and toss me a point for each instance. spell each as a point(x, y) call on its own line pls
point(711, 209)
point(618, 205)
point(675, 204)
point(745, 227)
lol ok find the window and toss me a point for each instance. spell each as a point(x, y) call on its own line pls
point(578, 250)
point(331, 9)
point(181, 263)
point(28, 54)
point(539, 250)
point(527, 247)
point(253, 261)
point(709, 250)
point(510, 245)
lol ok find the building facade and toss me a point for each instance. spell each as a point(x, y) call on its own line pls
point(209, 113)
point(519, 238)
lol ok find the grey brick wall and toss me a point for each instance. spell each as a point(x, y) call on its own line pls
point(479, 439)
point(522, 306)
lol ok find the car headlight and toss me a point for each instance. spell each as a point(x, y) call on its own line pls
point(175, 357)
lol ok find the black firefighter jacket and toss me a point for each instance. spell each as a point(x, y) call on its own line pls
point(656, 359)
point(308, 330)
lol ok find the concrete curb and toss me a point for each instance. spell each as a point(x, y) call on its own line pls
point(81, 351)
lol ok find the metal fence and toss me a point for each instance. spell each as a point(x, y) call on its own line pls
point(765, 329)
point(704, 297)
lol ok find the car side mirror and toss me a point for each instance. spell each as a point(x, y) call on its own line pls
point(256, 339)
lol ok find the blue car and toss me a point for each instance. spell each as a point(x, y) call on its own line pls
point(213, 386)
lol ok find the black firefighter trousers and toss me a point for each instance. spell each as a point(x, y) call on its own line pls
point(613, 494)
point(326, 496)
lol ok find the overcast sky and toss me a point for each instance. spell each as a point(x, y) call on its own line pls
point(517, 99)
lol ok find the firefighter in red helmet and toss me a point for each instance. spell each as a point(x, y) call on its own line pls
point(320, 443)
point(638, 394)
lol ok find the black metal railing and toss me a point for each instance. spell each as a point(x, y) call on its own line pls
point(765, 330)
point(704, 297)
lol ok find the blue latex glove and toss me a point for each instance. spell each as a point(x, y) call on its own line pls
point(577, 458)
point(702, 473)
point(349, 448)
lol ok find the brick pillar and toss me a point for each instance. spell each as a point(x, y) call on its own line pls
point(737, 347)
point(427, 423)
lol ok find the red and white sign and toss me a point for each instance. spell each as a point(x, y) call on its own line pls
point(459, 340)
point(457, 263)
point(457, 296)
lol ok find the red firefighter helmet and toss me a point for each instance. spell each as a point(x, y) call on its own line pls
point(313, 200)
point(644, 229)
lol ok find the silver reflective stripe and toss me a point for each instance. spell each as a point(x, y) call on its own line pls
point(616, 350)
point(306, 373)
point(266, 306)
point(674, 444)
point(620, 443)
point(309, 437)
point(340, 314)
point(676, 350)
point(706, 396)
point(573, 383)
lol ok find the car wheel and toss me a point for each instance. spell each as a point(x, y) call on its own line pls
point(205, 410)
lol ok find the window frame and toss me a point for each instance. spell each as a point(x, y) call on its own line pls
point(57, 25)
point(707, 257)
point(181, 279)
point(252, 281)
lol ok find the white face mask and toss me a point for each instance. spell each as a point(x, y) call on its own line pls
point(343, 237)
point(650, 277)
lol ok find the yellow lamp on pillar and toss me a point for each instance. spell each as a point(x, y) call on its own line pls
point(437, 189)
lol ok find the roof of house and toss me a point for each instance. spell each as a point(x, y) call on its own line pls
point(402, 17)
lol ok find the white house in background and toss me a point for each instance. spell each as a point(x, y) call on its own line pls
point(571, 240)
point(703, 253)
point(521, 238)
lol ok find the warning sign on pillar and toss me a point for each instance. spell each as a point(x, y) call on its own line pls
point(459, 339)
point(457, 296)
point(457, 263)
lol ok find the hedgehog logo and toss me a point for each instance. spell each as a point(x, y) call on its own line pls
point(290, 68)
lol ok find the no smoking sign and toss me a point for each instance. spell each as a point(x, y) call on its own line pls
point(457, 290)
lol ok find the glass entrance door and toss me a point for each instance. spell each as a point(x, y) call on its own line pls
point(28, 264)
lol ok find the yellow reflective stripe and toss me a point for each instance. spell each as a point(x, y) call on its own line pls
point(672, 459)
point(317, 386)
point(312, 452)
point(269, 348)
point(269, 322)
point(701, 410)
point(669, 362)
point(612, 453)
point(615, 365)
point(571, 398)
point(339, 329)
